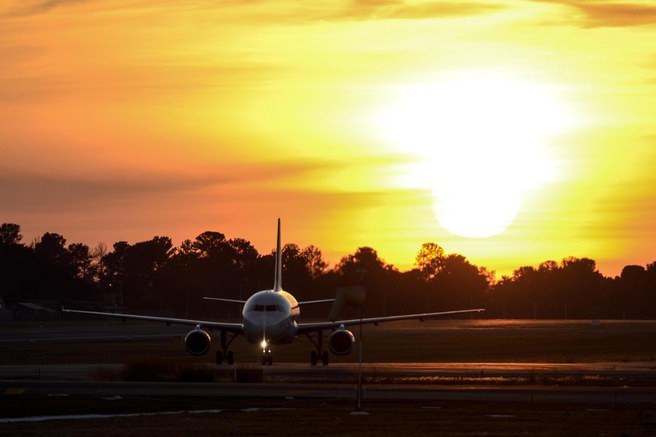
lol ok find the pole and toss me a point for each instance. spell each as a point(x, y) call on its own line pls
point(358, 405)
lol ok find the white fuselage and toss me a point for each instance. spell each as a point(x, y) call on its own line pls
point(271, 316)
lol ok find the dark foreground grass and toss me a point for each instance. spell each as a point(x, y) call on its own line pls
point(325, 418)
point(162, 370)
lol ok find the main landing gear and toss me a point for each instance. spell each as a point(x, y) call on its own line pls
point(317, 340)
point(229, 357)
point(226, 340)
point(314, 358)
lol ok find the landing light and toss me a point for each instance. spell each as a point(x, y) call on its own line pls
point(264, 344)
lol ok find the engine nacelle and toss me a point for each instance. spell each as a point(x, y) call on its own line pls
point(341, 342)
point(197, 342)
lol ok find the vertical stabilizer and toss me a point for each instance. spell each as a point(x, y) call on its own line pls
point(277, 281)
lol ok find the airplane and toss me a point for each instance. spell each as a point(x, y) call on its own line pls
point(272, 317)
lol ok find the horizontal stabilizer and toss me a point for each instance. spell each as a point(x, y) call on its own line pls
point(310, 302)
point(225, 300)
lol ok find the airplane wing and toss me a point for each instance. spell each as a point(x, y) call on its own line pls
point(230, 327)
point(315, 326)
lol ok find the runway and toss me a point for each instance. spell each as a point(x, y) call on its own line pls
point(9, 389)
point(401, 381)
point(381, 372)
point(472, 370)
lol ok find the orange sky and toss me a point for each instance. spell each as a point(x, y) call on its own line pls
point(351, 120)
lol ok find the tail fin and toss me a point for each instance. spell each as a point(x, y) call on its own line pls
point(277, 281)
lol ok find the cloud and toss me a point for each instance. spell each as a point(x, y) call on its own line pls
point(240, 199)
point(360, 10)
point(609, 14)
point(40, 7)
point(399, 10)
point(443, 9)
point(41, 193)
point(30, 192)
point(137, 79)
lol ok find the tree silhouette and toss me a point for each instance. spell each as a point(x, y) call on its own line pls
point(430, 260)
point(82, 261)
point(155, 275)
point(10, 234)
point(18, 275)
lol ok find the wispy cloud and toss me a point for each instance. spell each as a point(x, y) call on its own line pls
point(610, 14)
point(42, 193)
point(24, 8)
point(276, 12)
point(399, 10)
point(23, 191)
point(429, 10)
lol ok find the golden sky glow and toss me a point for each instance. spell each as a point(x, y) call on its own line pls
point(129, 119)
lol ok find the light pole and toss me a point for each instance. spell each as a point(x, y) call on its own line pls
point(358, 397)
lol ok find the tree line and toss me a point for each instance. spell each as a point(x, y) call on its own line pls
point(155, 275)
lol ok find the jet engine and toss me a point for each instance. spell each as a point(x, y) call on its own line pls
point(197, 342)
point(341, 342)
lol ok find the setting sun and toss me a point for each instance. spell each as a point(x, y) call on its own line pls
point(482, 138)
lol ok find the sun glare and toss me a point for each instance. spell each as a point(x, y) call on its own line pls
point(482, 141)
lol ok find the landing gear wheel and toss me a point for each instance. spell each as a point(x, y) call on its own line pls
point(270, 360)
point(219, 358)
point(267, 358)
point(230, 357)
point(313, 358)
point(324, 358)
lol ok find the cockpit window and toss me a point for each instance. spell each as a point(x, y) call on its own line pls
point(267, 308)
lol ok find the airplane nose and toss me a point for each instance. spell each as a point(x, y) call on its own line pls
point(265, 330)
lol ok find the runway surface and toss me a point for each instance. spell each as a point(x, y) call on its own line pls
point(285, 380)
point(9, 389)
point(341, 372)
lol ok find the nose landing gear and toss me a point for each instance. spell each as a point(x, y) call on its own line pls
point(267, 357)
